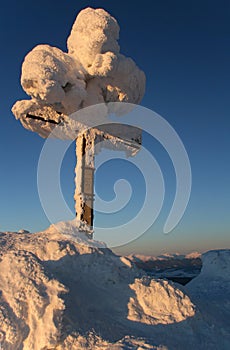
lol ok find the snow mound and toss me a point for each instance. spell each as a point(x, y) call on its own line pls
point(216, 265)
point(214, 273)
point(76, 230)
point(210, 291)
point(158, 302)
point(61, 290)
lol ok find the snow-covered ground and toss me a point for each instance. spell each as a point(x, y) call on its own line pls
point(66, 291)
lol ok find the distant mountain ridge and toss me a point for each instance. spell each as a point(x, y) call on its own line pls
point(166, 256)
point(177, 267)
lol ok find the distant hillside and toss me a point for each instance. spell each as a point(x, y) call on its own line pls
point(177, 267)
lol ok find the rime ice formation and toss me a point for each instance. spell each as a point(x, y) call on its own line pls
point(63, 291)
point(93, 71)
point(61, 85)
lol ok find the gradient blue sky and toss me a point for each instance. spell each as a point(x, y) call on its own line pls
point(184, 49)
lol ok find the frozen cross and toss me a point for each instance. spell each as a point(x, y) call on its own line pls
point(60, 84)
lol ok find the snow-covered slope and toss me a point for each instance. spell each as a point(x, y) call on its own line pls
point(68, 292)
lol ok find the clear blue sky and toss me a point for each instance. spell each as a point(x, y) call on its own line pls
point(184, 49)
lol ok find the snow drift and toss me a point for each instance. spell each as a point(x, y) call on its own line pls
point(67, 292)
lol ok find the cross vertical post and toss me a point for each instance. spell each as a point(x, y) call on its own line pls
point(84, 180)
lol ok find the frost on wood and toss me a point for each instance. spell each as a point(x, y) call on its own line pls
point(84, 181)
point(93, 71)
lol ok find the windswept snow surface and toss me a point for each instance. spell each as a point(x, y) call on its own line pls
point(62, 290)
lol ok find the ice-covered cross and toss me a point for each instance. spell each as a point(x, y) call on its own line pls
point(60, 84)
